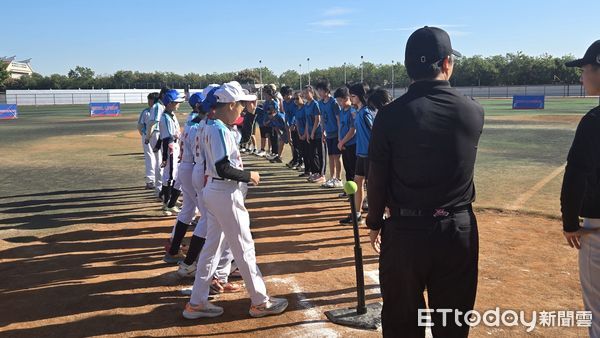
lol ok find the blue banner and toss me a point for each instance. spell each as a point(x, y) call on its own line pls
point(8, 111)
point(105, 109)
point(528, 102)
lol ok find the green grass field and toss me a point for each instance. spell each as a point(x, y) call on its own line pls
point(53, 148)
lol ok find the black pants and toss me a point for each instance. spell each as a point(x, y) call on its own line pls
point(296, 148)
point(439, 254)
point(349, 160)
point(274, 137)
point(304, 149)
point(315, 156)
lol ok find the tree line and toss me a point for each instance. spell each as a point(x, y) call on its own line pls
point(497, 70)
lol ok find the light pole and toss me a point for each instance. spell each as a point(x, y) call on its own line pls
point(260, 76)
point(308, 65)
point(362, 76)
point(345, 81)
point(393, 94)
point(300, 76)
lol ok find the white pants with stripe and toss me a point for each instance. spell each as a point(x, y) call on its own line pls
point(184, 177)
point(224, 266)
point(170, 170)
point(152, 162)
point(228, 220)
point(589, 272)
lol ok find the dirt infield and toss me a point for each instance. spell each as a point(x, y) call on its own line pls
point(81, 248)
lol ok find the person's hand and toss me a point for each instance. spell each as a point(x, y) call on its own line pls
point(573, 238)
point(312, 135)
point(340, 146)
point(375, 240)
point(254, 177)
point(163, 164)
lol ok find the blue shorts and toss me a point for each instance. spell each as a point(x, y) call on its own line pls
point(332, 148)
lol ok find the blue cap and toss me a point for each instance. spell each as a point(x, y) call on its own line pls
point(172, 96)
point(195, 98)
point(210, 100)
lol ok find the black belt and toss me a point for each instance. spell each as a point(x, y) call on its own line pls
point(437, 212)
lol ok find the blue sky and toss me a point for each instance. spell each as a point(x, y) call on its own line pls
point(228, 35)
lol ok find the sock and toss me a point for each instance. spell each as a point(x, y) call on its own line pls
point(196, 245)
point(180, 230)
point(173, 198)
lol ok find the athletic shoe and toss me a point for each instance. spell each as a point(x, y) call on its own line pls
point(174, 209)
point(343, 195)
point(243, 150)
point(186, 270)
point(311, 178)
point(149, 186)
point(276, 159)
point(186, 291)
point(270, 156)
point(337, 183)
point(261, 153)
point(318, 179)
point(165, 207)
point(206, 310)
point(170, 259)
point(167, 213)
point(348, 220)
point(304, 175)
point(328, 183)
point(301, 168)
point(296, 166)
point(365, 205)
point(273, 306)
point(217, 287)
point(290, 164)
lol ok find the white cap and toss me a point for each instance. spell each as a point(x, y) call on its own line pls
point(232, 92)
point(208, 88)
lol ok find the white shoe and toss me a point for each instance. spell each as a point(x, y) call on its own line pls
point(328, 184)
point(206, 310)
point(273, 306)
point(261, 153)
point(174, 209)
point(337, 183)
point(186, 270)
point(270, 156)
point(186, 291)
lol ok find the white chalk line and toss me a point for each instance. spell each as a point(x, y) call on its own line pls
point(519, 202)
point(310, 312)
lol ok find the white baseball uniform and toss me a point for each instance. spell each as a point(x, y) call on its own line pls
point(228, 219)
point(151, 158)
point(153, 136)
point(169, 129)
point(185, 171)
point(198, 181)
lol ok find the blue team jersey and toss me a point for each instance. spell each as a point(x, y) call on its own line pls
point(363, 124)
point(300, 118)
point(277, 121)
point(347, 122)
point(329, 112)
point(311, 111)
point(290, 112)
point(271, 105)
point(260, 116)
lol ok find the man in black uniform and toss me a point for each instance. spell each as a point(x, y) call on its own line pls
point(422, 158)
point(580, 194)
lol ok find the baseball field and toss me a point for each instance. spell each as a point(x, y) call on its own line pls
point(81, 241)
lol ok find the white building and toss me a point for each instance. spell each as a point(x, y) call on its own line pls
point(16, 69)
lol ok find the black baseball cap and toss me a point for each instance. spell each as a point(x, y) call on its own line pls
point(591, 57)
point(428, 45)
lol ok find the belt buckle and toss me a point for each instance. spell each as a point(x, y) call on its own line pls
point(440, 213)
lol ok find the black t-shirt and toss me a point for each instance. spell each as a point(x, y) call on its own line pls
point(423, 148)
point(580, 195)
